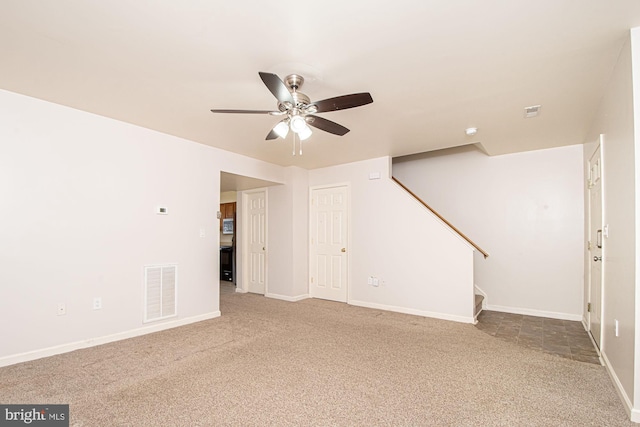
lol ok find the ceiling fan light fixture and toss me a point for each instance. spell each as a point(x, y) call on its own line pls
point(282, 129)
point(298, 124)
point(304, 133)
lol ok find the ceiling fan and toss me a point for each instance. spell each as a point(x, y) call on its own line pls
point(298, 109)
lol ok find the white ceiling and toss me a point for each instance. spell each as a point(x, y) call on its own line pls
point(433, 67)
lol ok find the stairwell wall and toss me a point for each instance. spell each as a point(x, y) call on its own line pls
point(525, 209)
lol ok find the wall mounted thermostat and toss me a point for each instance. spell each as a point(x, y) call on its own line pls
point(162, 210)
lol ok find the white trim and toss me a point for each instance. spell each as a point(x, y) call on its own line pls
point(92, 342)
point(413, 311)
point(634, 414)
point(480, 291)
point(287, 298)
point(537, 313)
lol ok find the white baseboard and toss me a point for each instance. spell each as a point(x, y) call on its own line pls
point(287, 298)
point(634, 414)
point(537, 313)
point(442, 316)
point(92, 342)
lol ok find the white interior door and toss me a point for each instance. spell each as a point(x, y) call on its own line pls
point(256, 241)
point(328, 243)
point(595, 245)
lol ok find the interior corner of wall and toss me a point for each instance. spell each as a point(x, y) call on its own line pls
point(482, 148)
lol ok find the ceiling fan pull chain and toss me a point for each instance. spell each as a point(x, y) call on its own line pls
point(293, 142)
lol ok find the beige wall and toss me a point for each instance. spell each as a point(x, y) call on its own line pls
point(79, 194)
point(288, 222)
point(615, 121)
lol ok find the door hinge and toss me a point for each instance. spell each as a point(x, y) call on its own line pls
point(588, 307)
point(589, 245)
point(312, 280)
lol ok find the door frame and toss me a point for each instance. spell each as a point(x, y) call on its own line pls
point(592, 240)
point(244, 236)
point(309, 251)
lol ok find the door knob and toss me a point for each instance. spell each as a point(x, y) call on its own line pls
point(343, 250)
point(597, 258)
point(263, 248)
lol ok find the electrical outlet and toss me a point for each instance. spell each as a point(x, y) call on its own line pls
point(62, 309)
point(376, 282)
point(97, 303)
point(370, 280)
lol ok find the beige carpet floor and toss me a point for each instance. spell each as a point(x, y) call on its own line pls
point(316, 363)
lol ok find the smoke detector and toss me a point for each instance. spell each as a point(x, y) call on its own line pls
point(530, 112)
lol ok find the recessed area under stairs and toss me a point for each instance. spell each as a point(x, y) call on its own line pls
point(563, 338)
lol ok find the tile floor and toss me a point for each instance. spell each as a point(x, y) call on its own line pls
point(563, 338)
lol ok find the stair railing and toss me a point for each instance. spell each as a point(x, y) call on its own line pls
point(460, 233)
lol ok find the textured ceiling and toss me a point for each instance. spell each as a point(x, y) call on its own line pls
point(433, 68)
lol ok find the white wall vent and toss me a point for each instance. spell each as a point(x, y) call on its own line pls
point(160, 291)
point(533, 111)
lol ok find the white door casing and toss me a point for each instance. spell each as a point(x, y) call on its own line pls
point(255, 206)
point(595, 245)
point(328, 249)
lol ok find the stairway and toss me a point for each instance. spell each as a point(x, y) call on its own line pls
point(478, 305)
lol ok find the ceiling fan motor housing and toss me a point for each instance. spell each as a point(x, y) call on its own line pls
point(300, 100)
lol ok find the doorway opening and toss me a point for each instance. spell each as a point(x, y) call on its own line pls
point(234, 261)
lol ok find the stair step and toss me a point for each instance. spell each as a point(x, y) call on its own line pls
point(478, 305)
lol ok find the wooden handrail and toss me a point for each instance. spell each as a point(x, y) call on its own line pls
point(433, 211)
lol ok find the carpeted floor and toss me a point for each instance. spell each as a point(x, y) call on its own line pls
point(317, 363)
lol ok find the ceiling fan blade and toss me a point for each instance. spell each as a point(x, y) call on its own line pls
point(277, 87)
point(271, 135)
point(326, 125)
point(244, 111)
point(343, 102)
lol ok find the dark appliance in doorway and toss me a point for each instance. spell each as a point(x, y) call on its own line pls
point(226, 263)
